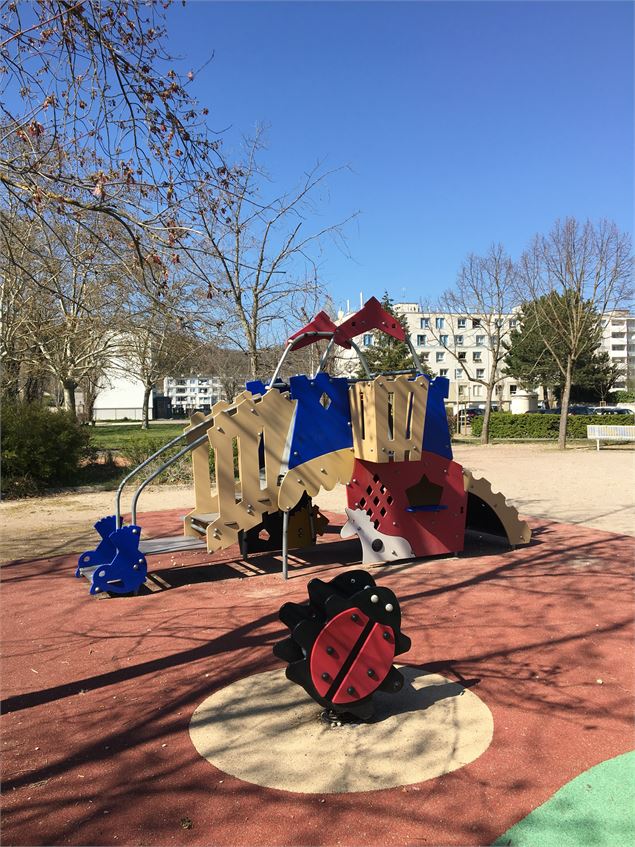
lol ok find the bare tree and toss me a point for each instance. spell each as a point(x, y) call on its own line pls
point(263, 263)
point(481, 300)
point(70, 307)
point(96, 123)
point(572, 278)
point(155, 344)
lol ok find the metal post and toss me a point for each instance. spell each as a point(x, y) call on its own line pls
point(285, 353)
point(415, 357)
point(244, 546)
point(325, 356)
point(285, 544)
point(361, 358)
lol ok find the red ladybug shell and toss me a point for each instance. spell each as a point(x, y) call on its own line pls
point(337, 645)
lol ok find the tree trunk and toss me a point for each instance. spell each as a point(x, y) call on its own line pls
point(145, 422)
point(10, 379)
point(564, 406)
point(69, 396)
point(486, 416)
point(253, 362)
point(545, 397)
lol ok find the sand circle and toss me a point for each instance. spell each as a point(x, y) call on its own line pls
point(265, 730)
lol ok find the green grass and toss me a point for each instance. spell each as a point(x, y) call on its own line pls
point(117, 436)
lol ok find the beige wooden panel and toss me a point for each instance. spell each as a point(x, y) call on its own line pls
point(241, 507)
point(517, 531)
point(370, 403)
point(205, 501)
point(321, 472)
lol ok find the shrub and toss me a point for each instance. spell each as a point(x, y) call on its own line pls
point(506, 425)
point(140, 448)
point(41, 448)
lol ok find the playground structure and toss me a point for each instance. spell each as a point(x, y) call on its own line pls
point(385, 436)
point(343, 642)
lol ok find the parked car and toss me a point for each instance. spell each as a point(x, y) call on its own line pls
point(543, 412)
point(468, 415)
point(575, 409)
point(612, 410)
point(472, 412)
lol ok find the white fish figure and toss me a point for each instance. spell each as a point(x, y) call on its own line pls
point(376, 546)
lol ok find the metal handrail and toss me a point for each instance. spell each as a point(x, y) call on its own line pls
point(188, 448)
point(145, 463)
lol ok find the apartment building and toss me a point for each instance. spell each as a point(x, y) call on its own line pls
point(453, 346)
point(189, 393)
point(618, 339)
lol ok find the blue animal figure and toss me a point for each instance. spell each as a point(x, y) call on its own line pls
point(128, 569)
point(105, 551)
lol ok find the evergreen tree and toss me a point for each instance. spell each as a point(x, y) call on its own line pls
point(388, 353)
point(530, 358)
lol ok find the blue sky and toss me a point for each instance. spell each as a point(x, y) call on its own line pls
point(463, 123)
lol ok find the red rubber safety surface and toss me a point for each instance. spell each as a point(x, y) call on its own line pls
point(98, 694)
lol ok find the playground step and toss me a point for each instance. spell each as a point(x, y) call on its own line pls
point(170, 544)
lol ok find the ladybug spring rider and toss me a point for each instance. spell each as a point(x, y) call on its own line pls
point(343, 642)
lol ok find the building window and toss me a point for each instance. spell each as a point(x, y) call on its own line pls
point(458, 373)
point(477, 391)
point(476, 322)
point(461, 323)
point(443, 339)
point(424, 323)
point(368, 340)
point(425, 357)
point(498, 323)
point(512, 323)
point(480, 340)
point(477, 357)
point(461, 391)
point(480, 373)
point(443, 372)
point(462, 355)
point(512, 389)
point(440, 357)
point(458, 340)
point(439, 323)
point(421, 340)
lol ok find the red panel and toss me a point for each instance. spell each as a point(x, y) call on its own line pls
point(429, 533)
point(370, 316)
point(340, 636)
point(320, 323)
point(377, 655)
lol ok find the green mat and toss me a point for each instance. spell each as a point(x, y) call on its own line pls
point(596, 809)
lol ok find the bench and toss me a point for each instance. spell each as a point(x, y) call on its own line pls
point(610, 433)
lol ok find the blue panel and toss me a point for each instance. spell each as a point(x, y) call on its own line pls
point(128, 570)
point(256, 386)
point(105, 550)
point(318, 430)
point(436, 433)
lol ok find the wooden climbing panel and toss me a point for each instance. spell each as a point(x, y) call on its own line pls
point(247, 485)
point(388, 417)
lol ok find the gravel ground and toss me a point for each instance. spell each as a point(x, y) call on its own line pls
point(579, 486)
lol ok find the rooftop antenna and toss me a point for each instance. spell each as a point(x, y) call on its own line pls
point(361, 299)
